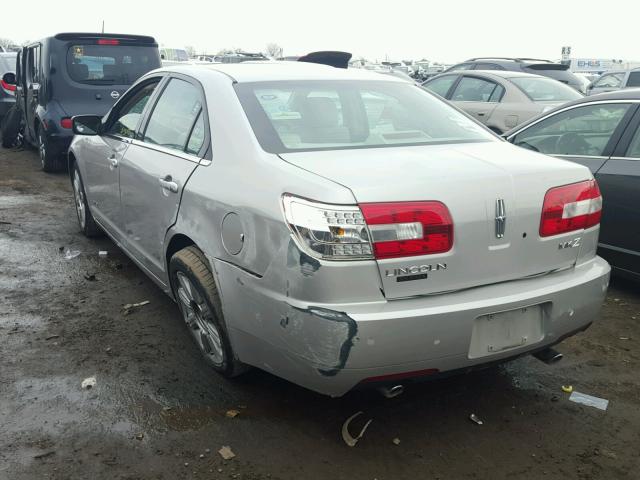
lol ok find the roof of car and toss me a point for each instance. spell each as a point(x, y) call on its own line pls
point(280, 70)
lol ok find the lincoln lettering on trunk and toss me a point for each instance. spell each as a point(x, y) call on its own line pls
point(415, 270)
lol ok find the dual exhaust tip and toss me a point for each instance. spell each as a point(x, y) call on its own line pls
point(548, 356)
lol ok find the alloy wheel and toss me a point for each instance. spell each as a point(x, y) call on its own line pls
point(200, 320)
point(78, 195)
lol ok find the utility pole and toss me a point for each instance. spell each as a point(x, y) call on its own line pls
point(102, 26)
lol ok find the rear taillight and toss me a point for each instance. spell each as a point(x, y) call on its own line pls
point(372, 230)
point(7, 87)
point(108, 41)
point(571, 207)
point(66, 123)
point(331, 232)
point(406, 229)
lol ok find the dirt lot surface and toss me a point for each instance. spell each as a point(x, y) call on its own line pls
point(157, 411)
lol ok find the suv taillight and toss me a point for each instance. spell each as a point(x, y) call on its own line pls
point(571, 207)
point(372, 230)
point(406, 229)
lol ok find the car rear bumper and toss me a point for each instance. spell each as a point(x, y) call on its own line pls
point(333, 348)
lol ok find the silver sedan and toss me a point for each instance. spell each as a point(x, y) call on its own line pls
point(501, 100)
point(339, 227)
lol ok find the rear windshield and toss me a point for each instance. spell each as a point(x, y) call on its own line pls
point(292, 116)
point(110, 64)
point(7, 63)
point(545, 89)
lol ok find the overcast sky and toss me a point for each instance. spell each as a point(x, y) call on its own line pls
point(447, 31)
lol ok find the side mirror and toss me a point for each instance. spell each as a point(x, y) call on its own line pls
point(9, 78)
point(86, 124)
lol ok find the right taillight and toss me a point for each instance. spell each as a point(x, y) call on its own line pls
point(571, 207)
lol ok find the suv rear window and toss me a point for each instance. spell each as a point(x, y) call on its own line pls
point(110, 64)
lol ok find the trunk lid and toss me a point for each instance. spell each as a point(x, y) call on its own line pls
point(469, 179)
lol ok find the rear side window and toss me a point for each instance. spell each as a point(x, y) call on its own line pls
point(488, 66)
point(174, 116)
point(110, 64)
point(540, 89)
point(634, 79)
point(441, 85)
point(583, 131)
point(473, 89)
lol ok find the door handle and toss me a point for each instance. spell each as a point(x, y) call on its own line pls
point(113, 162)
point(481, 114)
point(167, 183)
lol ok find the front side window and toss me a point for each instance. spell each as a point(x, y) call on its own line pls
point(540, 89)
point(110, 64)
point(174, 115)
point(634, 79)
point(320, 115)
point(634, 148)
point(473, 89)
point(128, 117)
point(611, 80)
point(583, 131)
point(441, 85)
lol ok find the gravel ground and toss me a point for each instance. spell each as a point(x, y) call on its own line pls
point(157, 411)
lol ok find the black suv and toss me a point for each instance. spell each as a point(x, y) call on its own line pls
point(73, 74)
point(547, 68)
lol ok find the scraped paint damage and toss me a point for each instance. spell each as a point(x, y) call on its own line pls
point(325, 337)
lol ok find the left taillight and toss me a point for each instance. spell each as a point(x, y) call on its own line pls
point(369, 230)
point(406, 229)
point(330, 232)
point(7, 87)
point(66, 122)
point(571, 207)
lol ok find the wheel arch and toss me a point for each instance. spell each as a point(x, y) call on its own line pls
point(177, 242)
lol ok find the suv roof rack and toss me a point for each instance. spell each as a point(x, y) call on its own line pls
point(519, 59)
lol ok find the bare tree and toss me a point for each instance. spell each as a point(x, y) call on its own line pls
point(6, 42)
point(274, 50)
point(191, 51)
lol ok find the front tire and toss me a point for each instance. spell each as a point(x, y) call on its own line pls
point(50, 162)
point(85, 218)
point(197, 296)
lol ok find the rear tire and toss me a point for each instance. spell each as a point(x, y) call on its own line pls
point(197, 296)
point(50, 162)
point(85, 218)
point(10, 127)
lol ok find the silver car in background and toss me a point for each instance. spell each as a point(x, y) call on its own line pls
point(339, 227)
point(501, 100)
